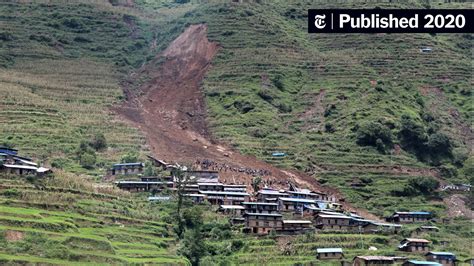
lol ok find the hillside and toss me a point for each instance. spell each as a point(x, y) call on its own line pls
point(367, 118)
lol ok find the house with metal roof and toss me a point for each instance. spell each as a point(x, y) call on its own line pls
point(373, 260)
point(333, 222)
point(377, 227)
point(142, 186)
point(296, 226)
point(420, 263)
point(329, 253)
point(127, 168)
point(260, 207)
point(444, 258)
point(410, 217)
point(295, 204)
point(225, 197)
point(262, 223)
point(270, 195)
point(414, 245)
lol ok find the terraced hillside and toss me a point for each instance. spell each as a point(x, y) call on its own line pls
point(62, 65)
point(67, 221)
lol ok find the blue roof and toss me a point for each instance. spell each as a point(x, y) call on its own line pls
point(419, 262)
point(422, 213)
point(329, 250)
point(441, 253)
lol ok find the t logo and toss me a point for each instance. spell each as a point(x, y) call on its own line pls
point(319, 21)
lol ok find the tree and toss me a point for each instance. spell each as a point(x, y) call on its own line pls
point(412, 135)
point(439, 143)
point(130, 157)
point(87, 160)
point(375, 134)
point(193, 246)
point(181, 180)
point(98, 142)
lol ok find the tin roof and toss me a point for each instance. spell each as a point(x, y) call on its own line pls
point(230, 193)
point(419, 262)
point(334, 216)
point(416, 240)
point(329, 250)
point(20, 166)
point(378, 258)
point(232, 207)
point(298, 200)
point(296, 222)
point(128, 164)
point(441, 253)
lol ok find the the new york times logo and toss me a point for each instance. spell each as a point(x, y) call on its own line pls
point(390, 21)
point(319, 21)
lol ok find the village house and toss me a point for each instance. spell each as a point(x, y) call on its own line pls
point(127, 169)
point(262, 223)
point(444, 258)
point(376, 227)
point(296, 226)
point(333, 222)
point(232, 210)
point(414, 245)
point(420, 263)
point(295, 204)
point(329, 253)
point(18, 169)
point(373, 261)
point(260, 207)
point(225, 197)
point(23, 170)
point(142, 186)
point(410, 217)
point(270, 195)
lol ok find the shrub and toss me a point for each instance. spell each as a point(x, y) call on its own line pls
point(98, 142)
point(130, 157)
point(278, 82)
point(375, 134)
point(87, 160)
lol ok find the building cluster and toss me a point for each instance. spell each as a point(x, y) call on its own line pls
point(12, 163)
point(285, 212)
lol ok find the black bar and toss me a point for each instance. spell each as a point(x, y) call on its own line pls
point(398, 20)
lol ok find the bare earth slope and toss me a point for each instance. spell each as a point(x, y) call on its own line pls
point(170, 109)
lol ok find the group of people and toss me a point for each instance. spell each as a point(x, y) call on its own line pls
point(207, 164)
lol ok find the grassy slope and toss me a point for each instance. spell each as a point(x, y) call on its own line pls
point(64, 220)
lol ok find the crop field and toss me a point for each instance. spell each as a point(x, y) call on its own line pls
point(65, 220)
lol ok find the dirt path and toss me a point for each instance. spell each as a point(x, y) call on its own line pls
point(170, 110)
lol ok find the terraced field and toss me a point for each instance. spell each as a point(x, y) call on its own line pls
point(78, 223)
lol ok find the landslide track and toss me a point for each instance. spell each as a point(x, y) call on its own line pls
point(169, 108)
